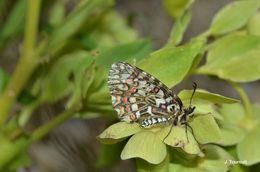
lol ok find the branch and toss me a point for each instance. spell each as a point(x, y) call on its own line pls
point(26, 64)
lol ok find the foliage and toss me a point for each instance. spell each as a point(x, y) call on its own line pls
point(66, 59)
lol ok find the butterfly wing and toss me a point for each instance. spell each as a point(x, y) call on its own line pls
point(136, 93)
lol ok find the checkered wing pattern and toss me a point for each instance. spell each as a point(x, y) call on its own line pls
point(136, 94)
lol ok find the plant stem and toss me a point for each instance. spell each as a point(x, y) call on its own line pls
point(27, 62)
point(46, 128)
point(245, 100)
point(31, 27)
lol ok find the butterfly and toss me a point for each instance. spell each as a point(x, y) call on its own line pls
point(139, 97)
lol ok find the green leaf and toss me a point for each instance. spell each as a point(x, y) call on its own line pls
point(232, 113)
point(175, 8)
point(233, 16)
point(143, 166)
point(253, 26)
point(215, 158)
point(205, 102)
point(15, 22)
point(4, 77)
point(172, 63)
point(72, 23)
point(237, 167)
point(100, 97)
point(108, 34)
point(256, 111)
point(178, 138)
point(179, 28)
point(57, 13)
point(99, 83)
point(145, 145)
point(248, 66)
point(88, 78)
point(131, 51)
point(213, 161)
point(242, 55)
point(56, 83)
point(240, 168)
point(230, 127)
point(84, 76)
point(205, 95)
point(248, 148)
point(237, 43)
point(230, 133)
point(118, 131)
point(205, 108)
point(205, 129)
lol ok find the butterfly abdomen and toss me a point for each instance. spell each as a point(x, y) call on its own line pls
point(149, 122)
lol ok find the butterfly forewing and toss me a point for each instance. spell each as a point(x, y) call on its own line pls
point(136, 94)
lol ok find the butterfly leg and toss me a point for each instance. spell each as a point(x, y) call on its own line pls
point(169, 132)
point(188, 126)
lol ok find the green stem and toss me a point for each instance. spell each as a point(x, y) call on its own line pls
point(31, 27)
point(27, 62)
point(46, 128)
point(245, 100)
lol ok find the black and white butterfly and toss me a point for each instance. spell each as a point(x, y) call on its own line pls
point(139, 97)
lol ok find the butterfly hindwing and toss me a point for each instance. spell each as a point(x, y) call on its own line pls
point(137, 94)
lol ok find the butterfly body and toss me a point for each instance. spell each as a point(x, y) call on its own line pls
point(139, 97)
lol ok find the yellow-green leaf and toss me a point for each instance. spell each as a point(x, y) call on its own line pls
point(143, 166)
point(232, 113)
point(233, 16)
point(248, 149)
point(242, 54)
point(172, 63)
point(230, 133)
point(56, 84)
point(72, 23)
point(134, 50)
point(205, 95)
point(145, 145)
point(205, 129)
point(118, 131)
point(177, 138)
point(213, 161)
point(253, 26)
point(15, 21)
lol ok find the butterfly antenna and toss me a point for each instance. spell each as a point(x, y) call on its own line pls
point(194, 89)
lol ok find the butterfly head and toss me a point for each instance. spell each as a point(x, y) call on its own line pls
point(189, 111)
